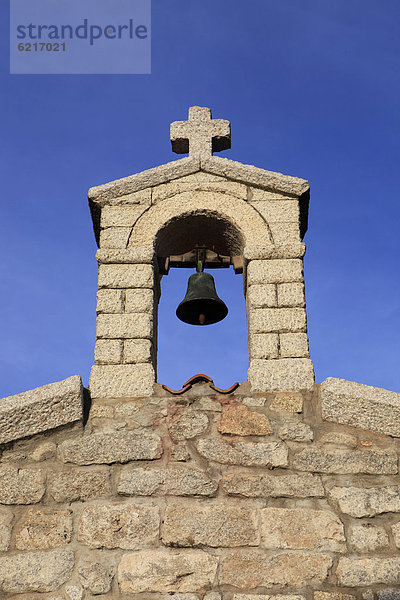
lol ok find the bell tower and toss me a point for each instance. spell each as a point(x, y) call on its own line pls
point(212, 211)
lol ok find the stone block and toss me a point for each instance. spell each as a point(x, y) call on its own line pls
point(287, 402)
point(127, 526)
point(96, 577)
point(274, 271)
point(368, 538)
point(251, 568)
point(188, 524)
point(108, 352)
point(285, 234)
point(278, 211)
point(121, 216)
point(302, 529)
point(6, 519)
point(387, 594)
point(108, 448)
point(333, 596)
point(366, 502)
point(74, 592)
point(137, 255)
point(44, 529)
point(35, 571)
point(396, 533)
point(354, 572)
point(264, 345)
point(284, 485)
point(293, 345)
point(122, 381)
point(21, 486)
point(238, 419)
point(126, 276)
point(186, 424)
point(114, 237)
point(267, 597)
point(172, 481)
point(79, 485)
point(291, 294)
point(110, 301)
point(261, 296)
point(41, 409)
point(296, 432)
point(283, 375)
point(139, 301)
point(44, 451)
point(267, 320)
point(244, 453)
point(166, 571)
point(361, 406)
point(138, 351)
point(125, 326)
point(340, 460)
point(188, 184)
point(338, 439)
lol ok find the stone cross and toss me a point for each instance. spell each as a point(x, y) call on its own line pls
point(200, 135)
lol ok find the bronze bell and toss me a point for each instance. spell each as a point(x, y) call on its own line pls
point(201, 305)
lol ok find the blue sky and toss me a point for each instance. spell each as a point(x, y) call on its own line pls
point(311, 89)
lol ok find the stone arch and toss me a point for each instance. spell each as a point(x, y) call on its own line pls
point(236, 221)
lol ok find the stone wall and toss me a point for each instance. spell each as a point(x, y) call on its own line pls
point(201, 496)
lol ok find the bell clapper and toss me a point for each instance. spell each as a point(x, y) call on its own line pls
point(202, 319)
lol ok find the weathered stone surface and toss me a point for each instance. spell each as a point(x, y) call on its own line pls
point(289, 485)
point(108, 352)
point(137, 351)
point(44, 451)
point(79, 484)
point(109, 448)
point(283, 375)
point(275, 271)
point(216, 525)
point(261, 296)
point(127, 526)
point(237, 419)
point(166, 571)
point(302, 528)
point(174, 481)
point(287, 402)
point(121, 216)
point(278, 211)
point(35, 571)
point(268, 320)
point(361, 406)
point(203, 182)
point(41, 409)
point(74, 592)
point(127, 325)
point(264, 345)
point(366, 502)
point(293, 345)
point(187, 424)
point(115, 237)
point(244, 453)
point(126, 276)
point(396, 533)
point(96, 577)
point(252, 568)
point(267, 597)
point(133, 256)
point(21, 486)
point(110, 301)
point(338, 439)
point(355, 572)
point(368, 538)
point(296, 432)
point(182, 597)
point(338, 460)
point(138, 301)
point(44, 529)
point(388, 594)
point(207, 403)
point(6, 519)
point(333, 596)
point(122, 381)
point(291, 294)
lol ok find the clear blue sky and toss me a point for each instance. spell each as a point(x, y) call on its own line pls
point(311, 89)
